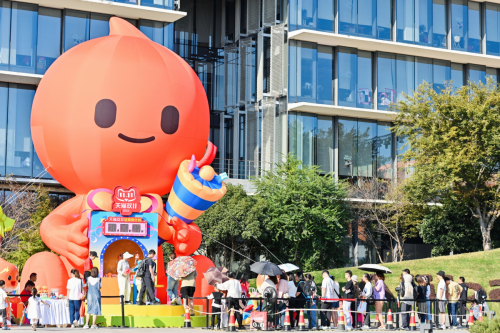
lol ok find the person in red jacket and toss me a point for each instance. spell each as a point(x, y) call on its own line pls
point(87, 267)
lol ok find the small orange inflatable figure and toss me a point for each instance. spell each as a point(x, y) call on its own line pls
point(10, 274)
point(119, 110)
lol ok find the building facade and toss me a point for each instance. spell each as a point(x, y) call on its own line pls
point(310, 77)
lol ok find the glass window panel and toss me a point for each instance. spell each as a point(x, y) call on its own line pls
point(306, 133)
point(385, 158)
point(131, 2)
point(441, 74)
point(49, 38)
point(384, 22)
point(152, 3)
point(292, 14)
point(307, 72)
point(325, 143)
point(325, 74)
point(348, 132)
point(474, 27)
point(405, 20)
point(292, 133)
point(168, 36)
point(367, 134)
point(367, 18)
point(492, 29)
point(386, 80)
point(169, 4)
point(439, 23)
point(5, 10)
point(153, 30)
point(477, 74)
point(492, 73)
point(4, 98)
point(405, 74)
point(423, 71)
point(347, 75)
point(457, 75)
point(364, 84)
point(99, 25)
point(459, 27)
point(19, 144)
point(76, 28)
point(307, 14)
point(23, 37)
point(325, 15)
point(292, 70)
point(38, 168)
point(402, 147)
point(423, 22)
point(348, 13)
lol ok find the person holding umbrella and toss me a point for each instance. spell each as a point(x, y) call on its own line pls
point(233, 288)
point(188, 287)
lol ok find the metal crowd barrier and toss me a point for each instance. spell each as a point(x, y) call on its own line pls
point(393, 304)
point(121, 297)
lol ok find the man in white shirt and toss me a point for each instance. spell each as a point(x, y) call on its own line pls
point(3, 305)
point(441, 295)
point(233, 288)
point(327, 288)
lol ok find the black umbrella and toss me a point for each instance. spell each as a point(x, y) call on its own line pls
point(265, 268)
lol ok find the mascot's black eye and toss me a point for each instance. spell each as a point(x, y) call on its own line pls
point(169, 120)
point(105, 113)
point(9, 278)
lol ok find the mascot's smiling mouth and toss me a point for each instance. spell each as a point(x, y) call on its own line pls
point(134, 140)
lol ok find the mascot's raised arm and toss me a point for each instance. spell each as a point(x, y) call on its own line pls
point(123, 111)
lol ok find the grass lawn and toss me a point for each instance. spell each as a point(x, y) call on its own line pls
point(477, 267)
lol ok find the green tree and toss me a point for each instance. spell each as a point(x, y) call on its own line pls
point(305, 214)
point(29, 241)
point(235, 221)
point(453, 139)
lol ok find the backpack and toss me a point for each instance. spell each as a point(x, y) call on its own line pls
point(141, 270)
point(481, 296)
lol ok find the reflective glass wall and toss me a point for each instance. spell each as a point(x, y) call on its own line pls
point(365, 18)
point(311, 14)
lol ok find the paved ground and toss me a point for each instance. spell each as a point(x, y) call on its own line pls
point(27, 329)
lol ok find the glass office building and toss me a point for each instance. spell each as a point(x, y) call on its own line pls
point(310, 77)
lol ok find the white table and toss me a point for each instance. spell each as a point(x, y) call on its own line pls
point(57, 314)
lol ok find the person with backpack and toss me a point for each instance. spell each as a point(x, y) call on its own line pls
point(147, 272)
point(300, 297)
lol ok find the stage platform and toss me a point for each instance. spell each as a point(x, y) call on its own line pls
point(149, 316)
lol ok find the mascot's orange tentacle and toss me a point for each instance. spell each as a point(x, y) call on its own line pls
point(186, 237)
point(209, 155)
point(64, 231)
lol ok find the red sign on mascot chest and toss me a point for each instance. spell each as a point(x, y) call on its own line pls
point(126, 201)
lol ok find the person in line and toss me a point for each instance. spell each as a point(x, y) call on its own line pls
point(94, 285)
point(137, 283)
point(454, 292)
point(123, 270)
point(292, 291)
point(422, 298)
point(348, 290)
point(245, 285)
point(367, 294)
point(300, 297)
point(269, 282)
point(441, 296)
point(233, 288)
point(355, 290)
point(283, 292)
point(188, 287)
point(334, 315)
point(311, 303)
point(407, 300)
point(28, 286)
point(75, 295)
point(379, 295)
point(327, 291)
point(463, 299)
point(87, 266)
point(173, 284)
point(34, 312)
point(33, 277)
point(148, 280)
point(216, 296)
point(3, 305)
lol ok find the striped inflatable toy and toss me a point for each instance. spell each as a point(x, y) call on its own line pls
point(194, 192)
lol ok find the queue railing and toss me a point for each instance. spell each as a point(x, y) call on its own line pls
point(393, 304)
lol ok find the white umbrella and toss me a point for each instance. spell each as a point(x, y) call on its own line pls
point(288, 267)
point(375, 268)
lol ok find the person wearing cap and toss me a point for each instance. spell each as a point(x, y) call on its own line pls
point(123, 270)
point(441, 296)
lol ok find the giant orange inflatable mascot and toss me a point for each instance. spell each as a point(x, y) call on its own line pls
point(122, 110)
